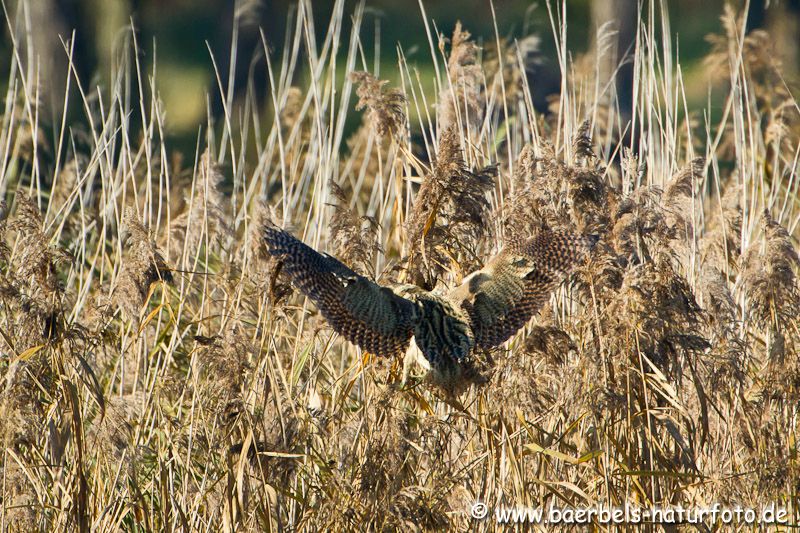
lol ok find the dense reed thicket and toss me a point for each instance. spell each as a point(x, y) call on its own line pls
point(159, 373)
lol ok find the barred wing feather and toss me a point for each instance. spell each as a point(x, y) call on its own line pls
point(365, 313)
point(504, 295)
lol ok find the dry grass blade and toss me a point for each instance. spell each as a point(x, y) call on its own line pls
point(158, 371)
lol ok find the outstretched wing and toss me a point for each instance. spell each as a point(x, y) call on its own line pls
point(366, 314)
point(502, 296)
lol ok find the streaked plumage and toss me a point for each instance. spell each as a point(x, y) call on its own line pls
point(484, 311)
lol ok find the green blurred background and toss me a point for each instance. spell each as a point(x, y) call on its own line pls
point(181, 34)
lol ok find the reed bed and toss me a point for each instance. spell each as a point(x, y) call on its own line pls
point(159, 373)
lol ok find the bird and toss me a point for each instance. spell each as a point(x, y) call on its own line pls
point(441, 330)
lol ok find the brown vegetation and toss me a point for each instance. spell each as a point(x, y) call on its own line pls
point(158, 373)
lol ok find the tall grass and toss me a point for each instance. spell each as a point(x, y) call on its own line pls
point(159, 373)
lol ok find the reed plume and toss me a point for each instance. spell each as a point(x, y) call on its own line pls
point(142, 267)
